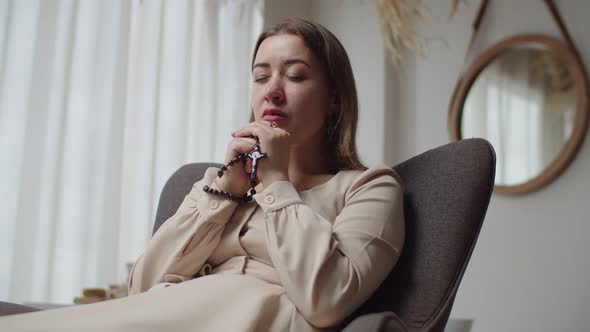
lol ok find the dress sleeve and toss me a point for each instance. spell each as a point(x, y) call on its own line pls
point(185, 241)
point(329, 269)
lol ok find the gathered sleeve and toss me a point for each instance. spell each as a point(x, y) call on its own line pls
point(185, 241)
point(329, 269)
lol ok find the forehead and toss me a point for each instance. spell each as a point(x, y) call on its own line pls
point(283, 47)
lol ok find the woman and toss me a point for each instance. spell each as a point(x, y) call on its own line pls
point(302, 249)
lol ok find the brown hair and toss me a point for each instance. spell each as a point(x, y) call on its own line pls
point(341, 125)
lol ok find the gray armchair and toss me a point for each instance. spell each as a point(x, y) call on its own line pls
point(446, 195)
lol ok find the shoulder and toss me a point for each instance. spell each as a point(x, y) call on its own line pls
point(378, 177)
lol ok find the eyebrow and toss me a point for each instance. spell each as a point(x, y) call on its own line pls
point(288, 62)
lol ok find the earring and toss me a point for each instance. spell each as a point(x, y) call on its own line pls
point(333, 125)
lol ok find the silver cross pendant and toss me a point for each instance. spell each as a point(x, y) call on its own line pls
point(255, 155)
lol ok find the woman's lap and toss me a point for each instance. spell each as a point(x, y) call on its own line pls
point(214, 302)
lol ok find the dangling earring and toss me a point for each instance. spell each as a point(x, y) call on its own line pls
point(330, 128)
point(332, 122)
point(333, 125)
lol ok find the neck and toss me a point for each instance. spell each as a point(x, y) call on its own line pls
point(309, 158)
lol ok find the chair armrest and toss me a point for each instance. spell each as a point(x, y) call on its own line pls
point(13, 308)
point(378, 322)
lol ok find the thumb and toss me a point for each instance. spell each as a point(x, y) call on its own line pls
point(248, 166)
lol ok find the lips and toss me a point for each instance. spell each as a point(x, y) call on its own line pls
point(275, 115)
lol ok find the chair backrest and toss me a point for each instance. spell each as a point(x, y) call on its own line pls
point(446, 194)
point(176, 188)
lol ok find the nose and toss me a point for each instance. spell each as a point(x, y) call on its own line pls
point(275, 93)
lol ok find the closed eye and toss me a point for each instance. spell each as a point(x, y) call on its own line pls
point(260, 79)
point(296, 78)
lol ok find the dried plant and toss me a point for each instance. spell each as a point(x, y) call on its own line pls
point(399, 24)
point(454, 5)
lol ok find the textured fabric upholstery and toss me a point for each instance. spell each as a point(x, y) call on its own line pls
point(446, 194)
point(377, 322)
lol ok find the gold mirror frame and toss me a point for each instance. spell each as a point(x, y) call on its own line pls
point(570, 58)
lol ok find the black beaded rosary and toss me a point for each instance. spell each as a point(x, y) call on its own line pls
point(254, 155)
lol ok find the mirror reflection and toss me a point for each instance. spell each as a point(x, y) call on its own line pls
point(524, 103)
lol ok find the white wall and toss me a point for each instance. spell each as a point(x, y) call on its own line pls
point(530, 270)
point(276, 11)
point(354, 23)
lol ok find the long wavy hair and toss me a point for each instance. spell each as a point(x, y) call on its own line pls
point(341, 125)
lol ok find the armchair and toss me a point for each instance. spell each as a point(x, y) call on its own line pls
point(446, 195)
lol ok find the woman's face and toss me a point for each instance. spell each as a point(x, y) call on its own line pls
point(290, 88)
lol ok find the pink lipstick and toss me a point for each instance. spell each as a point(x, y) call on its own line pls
point(274, 114)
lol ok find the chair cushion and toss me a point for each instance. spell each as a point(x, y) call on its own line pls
point(379, 322)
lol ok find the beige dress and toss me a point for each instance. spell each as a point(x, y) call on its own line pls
point(287, 261)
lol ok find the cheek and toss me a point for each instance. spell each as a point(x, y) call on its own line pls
point(313, 103)
point(311, 112)
point(256, 101)
point(310, 96)
point(255, 96)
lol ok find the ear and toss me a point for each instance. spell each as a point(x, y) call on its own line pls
point(334, 103)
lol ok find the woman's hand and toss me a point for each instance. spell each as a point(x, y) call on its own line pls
point(235, 179)
point(275, 143)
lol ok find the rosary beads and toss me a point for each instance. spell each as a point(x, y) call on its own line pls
point(253, 155)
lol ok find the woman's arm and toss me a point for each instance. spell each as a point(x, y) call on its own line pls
point(328, 270)
point(183, 243)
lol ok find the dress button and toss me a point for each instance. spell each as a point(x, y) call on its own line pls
point(214, 204)
point(269, 199)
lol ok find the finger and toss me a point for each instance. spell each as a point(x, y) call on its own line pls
point(238, 146)
point(258, 129)
point(266, 133)
point(246, 140)
point(233, 133)
point(249, 166)
point(264, 126)
point(243, 145)
point(248, 131)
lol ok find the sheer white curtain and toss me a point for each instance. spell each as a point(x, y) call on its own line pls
point(100, 101)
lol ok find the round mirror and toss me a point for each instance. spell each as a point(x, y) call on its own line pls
point(528, 96)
